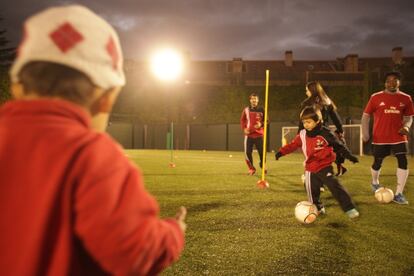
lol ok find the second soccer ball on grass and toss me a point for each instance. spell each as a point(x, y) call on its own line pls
point(384, 195)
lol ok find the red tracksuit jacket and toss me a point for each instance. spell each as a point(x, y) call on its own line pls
point(317, 146)
point(249, 118)
point(71, 203)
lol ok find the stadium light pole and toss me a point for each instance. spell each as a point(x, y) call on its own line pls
point(167, 66)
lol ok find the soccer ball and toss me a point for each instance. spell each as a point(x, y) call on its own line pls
point(384, 195)
point(306, 212)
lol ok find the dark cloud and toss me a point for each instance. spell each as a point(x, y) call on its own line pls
point(368, 36)
point(260, 29)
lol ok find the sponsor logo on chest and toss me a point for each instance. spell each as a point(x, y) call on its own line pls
point(319, 144)
point(392, 109)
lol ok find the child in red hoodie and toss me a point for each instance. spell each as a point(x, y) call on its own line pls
point(71, 203)
point(318, 144)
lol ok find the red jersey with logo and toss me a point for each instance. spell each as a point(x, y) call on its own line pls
point(388, 110)
point(317, 146)
point(250, 117)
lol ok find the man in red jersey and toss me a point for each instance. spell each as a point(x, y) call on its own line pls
point(392, 111)
point(252, 124)
point(71, 203)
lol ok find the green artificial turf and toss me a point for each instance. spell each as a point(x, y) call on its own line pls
point(234, 228)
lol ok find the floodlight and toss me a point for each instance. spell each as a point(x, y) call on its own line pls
point(167, 64)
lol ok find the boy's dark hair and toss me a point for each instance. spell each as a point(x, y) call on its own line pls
point(253, 95)
point(49, 79)
point(396, 74)
point(310, 112)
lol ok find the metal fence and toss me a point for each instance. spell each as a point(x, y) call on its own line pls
point(224, 137)
point(187, 136)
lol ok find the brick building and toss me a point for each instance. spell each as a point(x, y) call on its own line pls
point(350, 70)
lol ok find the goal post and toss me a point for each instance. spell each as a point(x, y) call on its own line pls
point(352, 134)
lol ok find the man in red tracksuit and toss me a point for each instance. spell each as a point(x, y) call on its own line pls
point(71, 203)
point(252, 124)
point(318, 144)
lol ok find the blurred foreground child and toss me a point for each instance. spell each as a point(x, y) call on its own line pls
point(71, 203)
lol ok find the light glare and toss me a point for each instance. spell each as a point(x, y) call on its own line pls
point(167, 65)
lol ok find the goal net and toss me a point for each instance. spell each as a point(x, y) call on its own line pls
point(352, 134)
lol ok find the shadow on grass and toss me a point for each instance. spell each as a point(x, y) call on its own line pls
point(337, 225)
point(409, 271)
point(316, 258)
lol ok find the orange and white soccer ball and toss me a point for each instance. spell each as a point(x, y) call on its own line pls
point(306, 212)
point(384, 195)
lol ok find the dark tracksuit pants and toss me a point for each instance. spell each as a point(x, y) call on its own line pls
point(248, 149)
point(315, 180)
point(340, 159)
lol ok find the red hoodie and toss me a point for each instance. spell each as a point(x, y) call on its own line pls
point(249, 118)
point(317, 147)
point(71, 203)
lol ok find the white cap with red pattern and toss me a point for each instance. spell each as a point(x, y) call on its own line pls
point(76, 37)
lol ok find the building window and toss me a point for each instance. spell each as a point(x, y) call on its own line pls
point(229, 67)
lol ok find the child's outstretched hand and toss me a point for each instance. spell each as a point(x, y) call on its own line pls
point(353, 159)
point(180, 217)
point(278, 155)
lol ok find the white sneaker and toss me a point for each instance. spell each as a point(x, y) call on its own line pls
point(353, 213)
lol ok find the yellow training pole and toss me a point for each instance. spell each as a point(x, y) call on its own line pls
point(265, 126)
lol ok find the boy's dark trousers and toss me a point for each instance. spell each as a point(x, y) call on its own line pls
point(258, 142)
point(314, 181)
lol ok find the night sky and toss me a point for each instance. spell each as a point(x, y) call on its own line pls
point(250, 29)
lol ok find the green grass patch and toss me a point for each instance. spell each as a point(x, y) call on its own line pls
point(234, 228)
